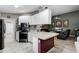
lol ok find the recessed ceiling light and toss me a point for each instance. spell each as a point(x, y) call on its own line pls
point(21, 11)
point(16, 6)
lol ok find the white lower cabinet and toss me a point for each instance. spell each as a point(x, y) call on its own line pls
point(17, 36)
point(29, 36)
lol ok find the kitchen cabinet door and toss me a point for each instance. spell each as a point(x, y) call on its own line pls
point(24, 19)
point(32, 22)
point(43, 17)
point(34, 19)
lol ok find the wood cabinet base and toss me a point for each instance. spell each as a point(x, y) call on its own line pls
point(45, 45)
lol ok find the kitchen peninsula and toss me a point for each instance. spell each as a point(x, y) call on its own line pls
point(43, 41)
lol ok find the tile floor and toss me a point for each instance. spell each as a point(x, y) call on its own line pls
point(61, 46)
point(64, 46)
point(16, 47)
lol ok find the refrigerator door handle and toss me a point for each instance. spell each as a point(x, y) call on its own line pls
point(4, 28)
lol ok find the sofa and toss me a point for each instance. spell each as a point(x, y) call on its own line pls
point(64, 34)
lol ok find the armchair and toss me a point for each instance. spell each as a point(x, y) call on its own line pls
point(64, 34)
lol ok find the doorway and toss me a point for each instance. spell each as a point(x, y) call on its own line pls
point(10, 30)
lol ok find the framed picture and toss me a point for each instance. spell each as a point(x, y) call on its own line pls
point(66, 23)
point(53, 23)
point(58, 23)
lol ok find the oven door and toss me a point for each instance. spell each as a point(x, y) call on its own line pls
point(23, 37)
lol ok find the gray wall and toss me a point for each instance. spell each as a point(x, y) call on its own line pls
point(73, 20)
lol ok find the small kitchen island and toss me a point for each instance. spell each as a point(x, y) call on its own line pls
point(43, 41)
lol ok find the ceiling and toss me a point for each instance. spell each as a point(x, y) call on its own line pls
point(56, 9)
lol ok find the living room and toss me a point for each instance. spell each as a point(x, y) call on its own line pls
point(40, 28)
point(66, 24)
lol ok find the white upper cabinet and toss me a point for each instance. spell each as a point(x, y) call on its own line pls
point(43, 17)
point(34, 20)
point(24, 19)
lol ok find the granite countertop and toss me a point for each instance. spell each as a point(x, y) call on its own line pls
point(46, 35)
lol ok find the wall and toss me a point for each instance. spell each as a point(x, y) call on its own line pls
point(11, 20)
point(10, 30)
point(73, 20)
point(12, 16)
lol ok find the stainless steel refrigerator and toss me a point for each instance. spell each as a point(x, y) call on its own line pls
point(2, 31)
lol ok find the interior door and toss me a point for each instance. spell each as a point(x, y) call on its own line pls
point(10, 30)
